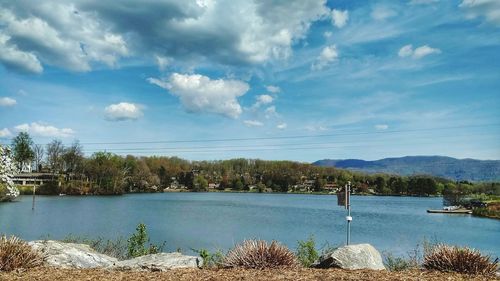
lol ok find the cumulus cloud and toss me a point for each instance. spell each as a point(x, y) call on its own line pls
point(382, 13)
point(262, 100)
point(328, 55)
point(417, 53)
point(487, 9)
point(339, 18)
point(123, 111)
point(199, 93)
point(76, 35)
point(44, 130)
point(5, 133)
point(281, 126)
point(273, 89)
point(56, 33)
point(15, 59)
point(253, 123)
point(6, 101)
point(381, 127)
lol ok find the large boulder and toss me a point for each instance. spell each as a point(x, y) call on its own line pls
point(361, 256)
point(70, 255)
point(160, 262)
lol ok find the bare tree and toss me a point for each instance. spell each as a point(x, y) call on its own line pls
point(38, 159)
point(55, 150)
point(73, 158)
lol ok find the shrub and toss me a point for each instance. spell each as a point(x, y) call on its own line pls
point(211, 260)
point(259, 254)
point(137, 243)
point(462, 260)
point(15, 253)
point(394, 263)
point(306, 252)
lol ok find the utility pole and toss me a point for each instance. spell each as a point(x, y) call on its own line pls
point(348, 207)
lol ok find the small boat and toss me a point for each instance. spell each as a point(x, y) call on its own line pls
point(62, 194)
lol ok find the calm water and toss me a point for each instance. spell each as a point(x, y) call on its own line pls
point(219, 220)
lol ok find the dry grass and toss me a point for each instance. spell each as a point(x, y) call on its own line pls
point(258, 254)
point(299, 274)
point(462, 260)
point(15, 253)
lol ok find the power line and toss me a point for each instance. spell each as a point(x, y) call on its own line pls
point(289, 137)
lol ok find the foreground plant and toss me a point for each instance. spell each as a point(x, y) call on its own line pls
point(459, 259)
point(306, 251)
point(15, 253)
point(258, 254)
point(137, 243)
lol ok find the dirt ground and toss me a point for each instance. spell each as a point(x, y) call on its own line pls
point(46, 273)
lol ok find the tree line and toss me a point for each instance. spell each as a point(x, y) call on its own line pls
point(107, 173)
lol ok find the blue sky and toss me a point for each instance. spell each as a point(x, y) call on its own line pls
point(297, 80)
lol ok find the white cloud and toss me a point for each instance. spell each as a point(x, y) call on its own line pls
point(199, 93)
point(381, 127)
point(273, 89)
point(339, 18)
point(382, 13)
point(262, 100)
point(282, 126)
point(406, 51)
point(5, 133)
point(253, 123)
point(417, 53)
point(55, 33)
point(328, 55)
point(488, 9)
point(75, 35)
point(123, 111)
point(327, 34)
point(271, 112)
point(6, 101)
point(16, 59)
point(162, 62)
point(425, 50)
point(44, 130)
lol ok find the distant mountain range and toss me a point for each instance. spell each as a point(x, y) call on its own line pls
point(440, 166)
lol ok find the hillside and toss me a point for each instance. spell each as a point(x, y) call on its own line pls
point(441, 166)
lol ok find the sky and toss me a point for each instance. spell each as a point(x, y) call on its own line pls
point(283, 80)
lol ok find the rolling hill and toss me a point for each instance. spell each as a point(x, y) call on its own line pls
point(440, 166)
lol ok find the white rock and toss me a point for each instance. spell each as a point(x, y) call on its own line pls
point(160, 262)
point(361, 256)
point(70, 255)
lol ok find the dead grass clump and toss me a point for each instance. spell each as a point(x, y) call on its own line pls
point(258, 254)
point(15, 253)
point(462, 260)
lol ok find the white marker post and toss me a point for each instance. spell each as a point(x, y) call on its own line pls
point(348, 207)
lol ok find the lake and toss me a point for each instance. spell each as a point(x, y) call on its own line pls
point(219, 220)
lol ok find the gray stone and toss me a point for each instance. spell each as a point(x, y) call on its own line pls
point(70, 255)
point(361, 256)
point(160, 262)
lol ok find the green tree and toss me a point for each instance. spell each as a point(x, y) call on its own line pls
point(22, 149)
point(200, 183)
point(380, 184)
